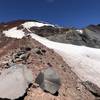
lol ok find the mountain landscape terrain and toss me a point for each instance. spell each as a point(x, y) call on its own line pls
point(41, 61)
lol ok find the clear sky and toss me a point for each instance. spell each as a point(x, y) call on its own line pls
point(77, 13)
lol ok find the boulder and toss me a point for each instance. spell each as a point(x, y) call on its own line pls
point(49, 80)
point(14, 81)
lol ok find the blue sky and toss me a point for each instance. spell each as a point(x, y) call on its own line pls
point(77, 13)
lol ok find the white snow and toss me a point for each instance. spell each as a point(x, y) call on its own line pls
point(84, 61)
point(35, 24)
point(14, 82)
point(14, 33)
point(80, 31)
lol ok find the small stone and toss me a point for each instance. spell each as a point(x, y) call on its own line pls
point(39, 52)
point(49, 80)
point(24, 56)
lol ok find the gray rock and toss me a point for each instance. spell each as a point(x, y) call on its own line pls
point(24, 56)
point(49, 80)
point(20, 56)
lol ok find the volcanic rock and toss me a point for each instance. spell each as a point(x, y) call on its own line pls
point(49, 80)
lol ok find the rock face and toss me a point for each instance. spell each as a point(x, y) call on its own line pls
point(49, 80)
point(73, 37)
point(93, 32)
point(46, 31)
point(88, 37)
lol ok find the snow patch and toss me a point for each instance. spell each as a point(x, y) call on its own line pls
point(80, 31)
point(14, 33)
point(35, 24)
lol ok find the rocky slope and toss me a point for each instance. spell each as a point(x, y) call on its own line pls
point(88, 36)
point(40, 57)
point(18, 47)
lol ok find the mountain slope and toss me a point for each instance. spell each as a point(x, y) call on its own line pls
point(71, 87)
point(80, 66)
